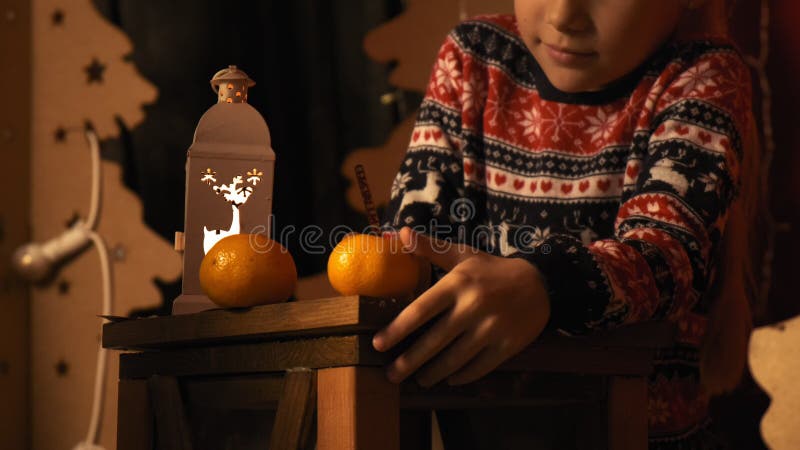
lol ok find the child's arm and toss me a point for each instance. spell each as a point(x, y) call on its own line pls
point(486, 308)
point(431, 177)
point(670, 221)
point(429, 185)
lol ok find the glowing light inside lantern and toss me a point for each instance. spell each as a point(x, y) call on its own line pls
point(236, 194)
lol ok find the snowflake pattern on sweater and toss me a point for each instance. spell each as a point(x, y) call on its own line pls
point(618, 196)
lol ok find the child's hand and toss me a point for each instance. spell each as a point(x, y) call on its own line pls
point(492, 307)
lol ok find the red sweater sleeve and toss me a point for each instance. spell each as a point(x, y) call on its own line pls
point(669, 225)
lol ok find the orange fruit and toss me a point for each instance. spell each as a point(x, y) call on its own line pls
point(363, 264)
point(244, 270)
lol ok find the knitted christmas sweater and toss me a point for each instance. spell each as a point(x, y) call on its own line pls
point(618, 196)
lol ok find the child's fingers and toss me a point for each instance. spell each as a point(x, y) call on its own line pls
point(426, 347)
point(486, 361)
point(442, 253)
point(424, 280)
point(427, 306)
point(465, 347)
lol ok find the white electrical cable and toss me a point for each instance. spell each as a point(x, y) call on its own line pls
point(94, 205)
point(93, 435)
point(100, 375)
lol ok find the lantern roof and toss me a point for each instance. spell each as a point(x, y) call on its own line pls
point(232, 129)
point(232, 73)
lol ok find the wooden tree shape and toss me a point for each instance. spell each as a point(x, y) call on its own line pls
point(80, 74)
point(412, 39)
point(774, 363)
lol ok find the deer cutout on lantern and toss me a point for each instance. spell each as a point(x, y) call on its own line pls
point(427, 194)
point(236, 194)
point(587, 234)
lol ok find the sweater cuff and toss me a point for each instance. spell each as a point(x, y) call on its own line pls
point(573, 296)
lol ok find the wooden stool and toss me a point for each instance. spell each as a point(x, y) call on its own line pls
point(302, 357)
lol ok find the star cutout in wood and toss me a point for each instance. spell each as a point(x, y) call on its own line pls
point(94, 72)
point(73, 219)
point(57, 17)
point(60, 134)
point(119, 252)
point(62, 368)
point(63, 287)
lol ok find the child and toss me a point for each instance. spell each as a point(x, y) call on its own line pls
point(588, 154)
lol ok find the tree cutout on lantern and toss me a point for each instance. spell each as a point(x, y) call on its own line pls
point(236, 196)
point(209, 176)
point(231, 142)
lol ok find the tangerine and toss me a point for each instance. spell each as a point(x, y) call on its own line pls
point(375, 266)
point(245, 270)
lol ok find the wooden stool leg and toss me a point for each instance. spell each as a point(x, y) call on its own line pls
point(591, 426)
point(295, 414)
point(415, 429)
point(455, 429)
point(134, 416)
point(172, 428)
point(357, 409)
point(627, 413)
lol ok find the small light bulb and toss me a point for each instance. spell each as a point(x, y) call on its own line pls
point(31, 263)
point(35, 261)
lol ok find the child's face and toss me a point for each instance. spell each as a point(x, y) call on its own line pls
point(583, 45)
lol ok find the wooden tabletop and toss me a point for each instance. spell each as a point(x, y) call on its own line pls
point(338, 332)
point(308, 318)
point(337, 316)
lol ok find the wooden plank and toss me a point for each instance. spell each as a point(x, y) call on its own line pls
point(498, 389)
point(592, 421)
point(357, 409)
point(627, 413)
point(134, 416)
point(253, 358)
point(506, 389)
point(172, 427)
point(15, 218)
point(358, 351)
point(648, 335)
point(257, 392)
point(340, 315)
point(415, 429)
point(569, 357)
point(295, 416)
point(455, 429)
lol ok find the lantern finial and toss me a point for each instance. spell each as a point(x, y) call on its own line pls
point(231, 85)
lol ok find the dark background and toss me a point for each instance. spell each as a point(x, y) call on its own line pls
point(319, 93)
point(315, 86)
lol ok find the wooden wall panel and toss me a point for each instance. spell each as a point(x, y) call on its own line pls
point(15, 74)
point(81, 74)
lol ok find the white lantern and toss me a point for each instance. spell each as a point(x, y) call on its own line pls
point(229, 179)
